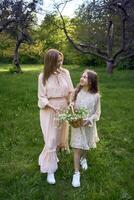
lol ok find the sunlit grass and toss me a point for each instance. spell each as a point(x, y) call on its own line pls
point(25, 68)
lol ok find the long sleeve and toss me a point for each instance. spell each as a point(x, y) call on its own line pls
point(42, 96)
point(70, 84)
point(71, 87)
point(97, 111)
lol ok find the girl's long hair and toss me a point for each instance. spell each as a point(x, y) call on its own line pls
point(92, 83)
point(51, 63)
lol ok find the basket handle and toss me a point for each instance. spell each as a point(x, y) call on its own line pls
point(72, 109)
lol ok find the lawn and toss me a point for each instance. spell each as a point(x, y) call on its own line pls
point(111, 172)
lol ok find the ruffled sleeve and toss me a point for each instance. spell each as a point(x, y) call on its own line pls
point(42, 94)
point(97, 110)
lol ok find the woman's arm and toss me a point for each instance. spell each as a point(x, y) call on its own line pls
point(71, 88)
point(42, 95)
point(43, 101)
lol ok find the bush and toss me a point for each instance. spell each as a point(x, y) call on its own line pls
point(126, 64)
point(32, 59)
point(6, 60)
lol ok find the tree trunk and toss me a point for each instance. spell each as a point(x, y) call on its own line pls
point(110, 66)
point(16, 63)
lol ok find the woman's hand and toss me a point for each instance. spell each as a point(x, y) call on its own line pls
point(56, 109)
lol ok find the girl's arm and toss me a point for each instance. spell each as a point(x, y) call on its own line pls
point(96, 115)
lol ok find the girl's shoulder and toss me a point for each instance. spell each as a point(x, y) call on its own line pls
point(97, 95)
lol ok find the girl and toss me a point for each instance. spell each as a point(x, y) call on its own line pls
point(54, 89)
point(83, 138)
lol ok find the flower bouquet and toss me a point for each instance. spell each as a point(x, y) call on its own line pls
point(74, 117)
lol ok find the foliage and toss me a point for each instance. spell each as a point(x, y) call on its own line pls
point(127, 64)
point(51, 36)
point(16, 19)
point(104, 29)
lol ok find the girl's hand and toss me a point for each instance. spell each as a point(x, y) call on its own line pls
point(87, 122)
point(71, 104)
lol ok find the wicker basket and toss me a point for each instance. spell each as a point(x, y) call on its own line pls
point(75, 123)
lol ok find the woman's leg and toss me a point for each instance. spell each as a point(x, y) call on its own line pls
point(48, 157)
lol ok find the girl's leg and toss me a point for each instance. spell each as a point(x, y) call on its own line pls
point(76, 175)
point(77, 156)
point(83, 153)
point(83, 160)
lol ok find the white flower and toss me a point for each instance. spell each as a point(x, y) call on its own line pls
point(68, 115)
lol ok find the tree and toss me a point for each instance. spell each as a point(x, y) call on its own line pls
point(107, 27)
point(50, 34)
point(16, 18)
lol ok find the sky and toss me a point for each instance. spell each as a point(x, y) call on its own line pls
point(68, 10)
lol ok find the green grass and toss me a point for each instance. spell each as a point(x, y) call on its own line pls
point(110, 175)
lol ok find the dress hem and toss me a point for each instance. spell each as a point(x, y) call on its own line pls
point(93, 146)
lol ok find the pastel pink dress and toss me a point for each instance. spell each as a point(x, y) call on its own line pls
point(56, 92)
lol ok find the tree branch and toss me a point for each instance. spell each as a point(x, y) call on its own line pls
point(4, 26)
point(123, 33)
point(98, 51)
point(109, 37)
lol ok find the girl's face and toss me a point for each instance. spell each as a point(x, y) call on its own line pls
point(60, 61)
point(84, 79)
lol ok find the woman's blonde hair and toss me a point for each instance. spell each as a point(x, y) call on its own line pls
point(51, 63)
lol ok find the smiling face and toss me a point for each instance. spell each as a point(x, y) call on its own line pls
point(84, 80)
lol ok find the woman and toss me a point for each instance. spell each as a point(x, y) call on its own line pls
point(54, 89)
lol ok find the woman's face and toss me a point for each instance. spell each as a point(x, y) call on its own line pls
point(84, 79)
point(60, 61)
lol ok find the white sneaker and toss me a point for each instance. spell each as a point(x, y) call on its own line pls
point(76, 180)
point(50, 178)
point(83, 163)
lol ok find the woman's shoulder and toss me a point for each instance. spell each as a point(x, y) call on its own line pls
point(40, 75)
point(66, 71)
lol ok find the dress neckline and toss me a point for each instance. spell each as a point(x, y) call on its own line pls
point(57, 72)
